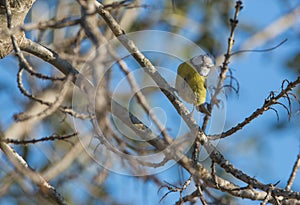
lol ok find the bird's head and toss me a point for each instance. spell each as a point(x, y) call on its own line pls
point(203, 64)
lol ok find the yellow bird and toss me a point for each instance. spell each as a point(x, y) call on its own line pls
point(191, 81)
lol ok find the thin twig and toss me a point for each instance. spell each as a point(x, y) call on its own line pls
point(260, 50)
point(173, 188)
point(43, 139)
point(53, 23)
point(224, 68)
point(293, 173)
point(271, 100)
point(200, 192)
point(52, 107)
point(218, 158)
point(23, 168)
point(267, 198)
point(276, 28)
point(20, 164)
point(24, 64)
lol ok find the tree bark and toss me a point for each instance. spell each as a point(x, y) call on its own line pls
point(19, 10)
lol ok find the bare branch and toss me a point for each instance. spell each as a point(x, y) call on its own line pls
point(293, 173)
point(260, 50)
point(140, 97)
point(52, 107)
point(150, 69)
point(24, 169)
point(147, 65)
point(259, 111)
point(224, 68)
point(218, 158)
point(33, 141)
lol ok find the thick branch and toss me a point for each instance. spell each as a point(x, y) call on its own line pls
point(19, 10)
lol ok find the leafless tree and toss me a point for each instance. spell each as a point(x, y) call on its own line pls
point(66, 60)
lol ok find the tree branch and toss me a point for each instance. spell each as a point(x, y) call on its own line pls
point(24, 169)
point(272, 100)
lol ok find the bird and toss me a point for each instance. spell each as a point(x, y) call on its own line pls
point(191, 81)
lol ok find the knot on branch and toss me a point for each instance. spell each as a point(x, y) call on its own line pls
point(16, 14)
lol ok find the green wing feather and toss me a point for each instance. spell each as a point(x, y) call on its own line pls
point(193, 81)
